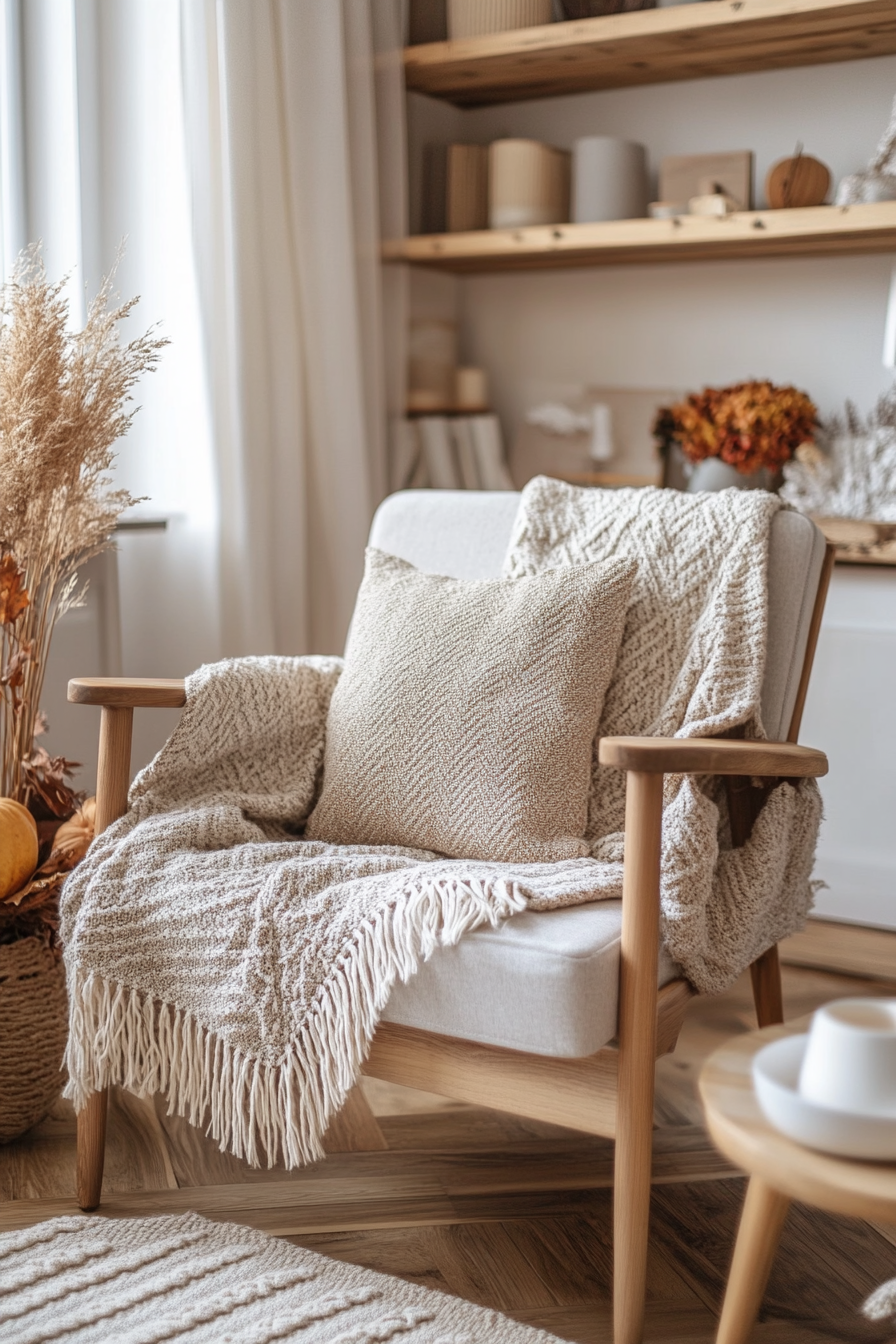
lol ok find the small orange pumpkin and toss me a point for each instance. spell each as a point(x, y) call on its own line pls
point(74, 836)
point(18, 846)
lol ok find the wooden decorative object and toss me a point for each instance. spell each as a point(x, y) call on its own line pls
point(796, 183)
point(685, 175)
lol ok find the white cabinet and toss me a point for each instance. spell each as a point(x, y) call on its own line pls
point(851, 715)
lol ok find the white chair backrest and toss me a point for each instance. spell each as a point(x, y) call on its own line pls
point(464, 533)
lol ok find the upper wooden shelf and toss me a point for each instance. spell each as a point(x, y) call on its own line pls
point(652, 46)
point(823, 230)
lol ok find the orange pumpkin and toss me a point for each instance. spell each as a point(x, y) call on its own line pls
point(74, 836)
point(18, 846)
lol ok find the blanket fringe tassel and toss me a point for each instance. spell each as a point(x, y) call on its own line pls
point(253, 1109)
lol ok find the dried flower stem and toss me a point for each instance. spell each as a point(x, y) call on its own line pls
point(63, 399)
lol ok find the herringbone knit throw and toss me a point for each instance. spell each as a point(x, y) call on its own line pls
point(157, 1280)
point(215, 957)
point(691, 665)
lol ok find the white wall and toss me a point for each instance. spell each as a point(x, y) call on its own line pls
point(851, 715)
point(816, 323)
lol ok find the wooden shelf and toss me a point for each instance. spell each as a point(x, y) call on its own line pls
point(824, 230)
point(653, 46)
point(860, 543)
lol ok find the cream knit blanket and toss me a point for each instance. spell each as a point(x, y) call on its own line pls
point(216, 957)
point(691, 665)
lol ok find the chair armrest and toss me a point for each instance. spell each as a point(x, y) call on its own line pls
point(129, 692)
point(712, 756)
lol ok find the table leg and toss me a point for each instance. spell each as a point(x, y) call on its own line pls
point(757, 1241)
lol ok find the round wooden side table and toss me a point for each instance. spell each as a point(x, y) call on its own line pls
point(780, 1171)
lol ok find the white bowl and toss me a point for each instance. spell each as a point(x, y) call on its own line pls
point(776, 1071)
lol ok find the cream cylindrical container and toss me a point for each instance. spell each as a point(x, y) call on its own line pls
point(471, 18)
point(528, 183)
point(609, 179)
point(470, 390)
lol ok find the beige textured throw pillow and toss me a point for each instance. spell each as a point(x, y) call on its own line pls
point(465, 714)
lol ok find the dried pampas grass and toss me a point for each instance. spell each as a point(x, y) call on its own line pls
point(852, 473)
point(64, 400)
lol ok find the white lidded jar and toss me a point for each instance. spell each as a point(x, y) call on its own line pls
point(528, 183)
point(609, 179)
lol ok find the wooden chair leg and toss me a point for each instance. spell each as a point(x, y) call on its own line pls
point(355, 1128)
point(768, 994)
point(637, 1053)
point(92, 1149)
point(113, 772)
point(757, 1242)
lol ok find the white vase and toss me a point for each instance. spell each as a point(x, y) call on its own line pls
point(609, 179)
point(714, 474)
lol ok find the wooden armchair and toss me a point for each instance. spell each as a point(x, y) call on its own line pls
point(601, 967)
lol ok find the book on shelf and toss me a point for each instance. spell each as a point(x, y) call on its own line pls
point(488, 445)
point(455, 188)
point(466, 453)
point(437, 443)
point(466, 188)
point(458, 452)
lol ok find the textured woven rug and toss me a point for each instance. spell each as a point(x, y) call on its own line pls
point(148, 1280)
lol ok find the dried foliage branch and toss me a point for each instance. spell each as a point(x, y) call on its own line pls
point(748, 425)
point(64, 402)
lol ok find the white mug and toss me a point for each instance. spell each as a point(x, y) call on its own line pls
point(850, 1059)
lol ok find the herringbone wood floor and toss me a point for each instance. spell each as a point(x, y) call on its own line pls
point(505, 1212)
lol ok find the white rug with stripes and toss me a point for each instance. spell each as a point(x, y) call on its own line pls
point(147, 1280)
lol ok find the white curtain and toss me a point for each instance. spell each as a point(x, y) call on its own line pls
point(281, 119)
point(238, 147)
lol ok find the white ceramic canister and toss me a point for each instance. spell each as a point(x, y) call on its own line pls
point(528, 183)
point(472, 18)
point(609, 179)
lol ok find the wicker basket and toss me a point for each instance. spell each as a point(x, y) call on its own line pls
point(33, 1032)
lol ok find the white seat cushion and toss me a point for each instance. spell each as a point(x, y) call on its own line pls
point(547, 982)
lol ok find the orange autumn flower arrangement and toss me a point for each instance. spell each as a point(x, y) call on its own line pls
point(63, 405)
point(748, 425)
